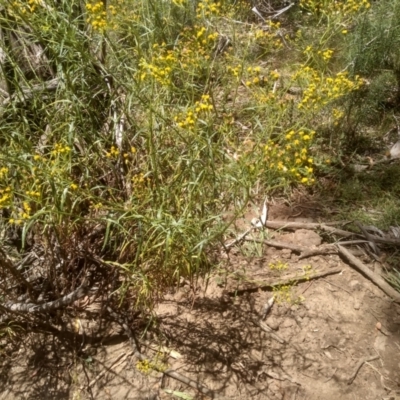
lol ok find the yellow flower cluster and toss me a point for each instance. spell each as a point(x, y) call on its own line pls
point(22, 214)
point(189, 119)
point(161, 67)
point(284, 294)
point(179, 2)
point(205, 38)
point(290, 156)
point(268, 40)
point(113, 153)
point(279, 266)
point(5, 197)
point(195, 46)
point(3, 172)
point(60, 148)
point(97, 15)
point(190, 54)
point(337, 115)
point(321, 89)
point(33, 193)
point(146, 366)
point(25, 6)
point(139, 183)
point(254, 73)
point(235, 71)
point(329, 7)
point(324, 55)
point(207, 8)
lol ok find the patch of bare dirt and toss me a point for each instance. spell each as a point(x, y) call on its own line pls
point(334, 337)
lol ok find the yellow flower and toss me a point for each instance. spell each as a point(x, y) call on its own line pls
point(73, 186)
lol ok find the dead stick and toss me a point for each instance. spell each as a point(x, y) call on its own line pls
point(328, 228)
point(238, 239)
point(294, 279)
point(358, 367)
point(305, 252)
point(121, 358)
point(278, 245)
point(379, 281)
point(309, 225)
point(327, 249)
point(267, 329)
point(50, 306)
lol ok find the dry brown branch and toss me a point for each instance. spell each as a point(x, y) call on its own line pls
point(278, 245)
point(288, 280)
point(118, 361)
point(6, 265)
point(324, 249)
point(28, 93)
point(327, 228)
point(369, 237)
point(308, 225)
point(50, 306)
point(378, 280)
point(269, 330)
point(305, 252)
point(358, 367)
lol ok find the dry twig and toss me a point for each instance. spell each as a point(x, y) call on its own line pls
point(378, 280)
point(288, 280)
point(305, 252)
point(358, 367)
point(308, 225)
point(269, 330)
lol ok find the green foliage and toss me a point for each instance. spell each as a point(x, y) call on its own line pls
point(371, 51)
point(161, 119)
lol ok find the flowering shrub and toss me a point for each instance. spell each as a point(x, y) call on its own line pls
point(164, 117)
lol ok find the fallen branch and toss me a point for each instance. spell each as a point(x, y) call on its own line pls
point(378, 280)
point(278, 245)
point(320, 250)
point(305, 252)
point(238, 239)
point(28, 93)
point(358, 367)
point(50, 306)
point(267, 329)
point(308, 225)
point(118, 361)
point(289, 280)
point(327, 228)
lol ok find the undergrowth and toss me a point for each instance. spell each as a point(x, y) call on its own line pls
point(131, 128)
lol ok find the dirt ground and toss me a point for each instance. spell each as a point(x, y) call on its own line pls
point(321, 331)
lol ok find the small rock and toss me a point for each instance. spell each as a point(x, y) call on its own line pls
point(273, 323)
point(286, 253)
point(355, 285)
point(256, 355)
point(332, 263)
point(301, 312)
point(395, 151)
point(287, 323)
point(308, 238)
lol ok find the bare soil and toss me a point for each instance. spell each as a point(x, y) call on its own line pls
point(208, 332)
